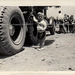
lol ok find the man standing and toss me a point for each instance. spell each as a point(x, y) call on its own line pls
point(60, 16)
point(41, 29)
point(61, 22)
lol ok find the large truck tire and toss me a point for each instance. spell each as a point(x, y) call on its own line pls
point(12, 30)
point(32, 35)
point(52, 22)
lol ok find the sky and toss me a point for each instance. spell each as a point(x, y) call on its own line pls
point(70, 10)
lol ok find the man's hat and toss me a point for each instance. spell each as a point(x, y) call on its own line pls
point(40, 13)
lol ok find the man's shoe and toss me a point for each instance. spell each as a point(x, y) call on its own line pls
point(34, 46)
point(39, 49)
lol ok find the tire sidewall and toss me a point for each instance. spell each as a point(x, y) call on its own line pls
point(15, 11)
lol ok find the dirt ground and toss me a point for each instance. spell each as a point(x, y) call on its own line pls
point(58, 55)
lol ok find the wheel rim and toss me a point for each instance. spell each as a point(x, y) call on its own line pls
point(16, 29)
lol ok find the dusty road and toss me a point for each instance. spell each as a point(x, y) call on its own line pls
point(58, 55)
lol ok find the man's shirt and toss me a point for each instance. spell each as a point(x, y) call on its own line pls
point(60, 16)
point(42, 25)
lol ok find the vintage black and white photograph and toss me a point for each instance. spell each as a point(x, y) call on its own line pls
point(37, 38)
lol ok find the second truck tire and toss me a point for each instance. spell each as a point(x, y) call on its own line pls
point(52, 22)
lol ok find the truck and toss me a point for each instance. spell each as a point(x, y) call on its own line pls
point(17, 27)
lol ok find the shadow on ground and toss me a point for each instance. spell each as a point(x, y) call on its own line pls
point(49, 42)
point(2, 56)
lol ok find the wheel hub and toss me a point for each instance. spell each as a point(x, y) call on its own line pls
point(11, 30)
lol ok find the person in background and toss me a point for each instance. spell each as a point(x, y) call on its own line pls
point(41, 29)
point(61, 22)
point(66, 22)
point(72, 24)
